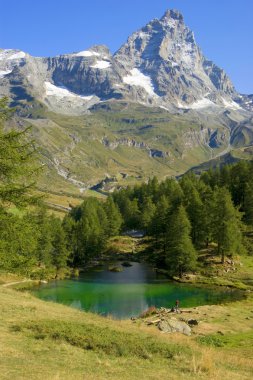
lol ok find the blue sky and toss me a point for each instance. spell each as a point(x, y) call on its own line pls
point(223, 28)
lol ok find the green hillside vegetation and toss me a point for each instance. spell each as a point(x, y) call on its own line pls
point(85, 149)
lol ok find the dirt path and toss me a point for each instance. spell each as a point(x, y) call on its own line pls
point(15, 283)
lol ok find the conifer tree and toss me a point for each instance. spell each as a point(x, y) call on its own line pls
point(18, 243)
point(59, 244)
point(195, 209)
point(147, 214)
point(132, 213)
point(226, 224)
point(17, 163)
point(42, 225)
point(180, 253)
point(159, 225)
point(248, 203)
point(114, 217)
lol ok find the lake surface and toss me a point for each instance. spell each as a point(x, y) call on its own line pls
point(128, 293)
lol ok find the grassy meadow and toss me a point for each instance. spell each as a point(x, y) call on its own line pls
point(44, 340)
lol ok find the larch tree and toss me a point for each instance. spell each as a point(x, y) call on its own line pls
point(18, 168)
point(226, 224)
point(114, 218)
point(180, 253)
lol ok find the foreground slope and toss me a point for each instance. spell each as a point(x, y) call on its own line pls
point(47, 340)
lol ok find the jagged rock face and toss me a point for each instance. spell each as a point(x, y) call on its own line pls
point(246, 101)
point(86, 74)
point(159, 65)
point(166, 51)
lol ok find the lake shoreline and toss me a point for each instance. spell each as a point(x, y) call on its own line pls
point(128, 292)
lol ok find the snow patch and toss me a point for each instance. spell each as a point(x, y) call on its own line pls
point(164, 108)
point(171, 22)
point(174, 64)
point(180, 105)
point(202, 103)
point(4, 72)
point(101, 65)
point(86, 53)
point(62, 92)
point(137, 78)
point(142, 35)
point(230, 104)
point(18, 55)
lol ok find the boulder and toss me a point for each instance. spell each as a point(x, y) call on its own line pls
point(173, 325)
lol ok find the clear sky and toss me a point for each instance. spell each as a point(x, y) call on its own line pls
point(223, 28)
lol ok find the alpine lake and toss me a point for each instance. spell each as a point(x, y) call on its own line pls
point(126, 294)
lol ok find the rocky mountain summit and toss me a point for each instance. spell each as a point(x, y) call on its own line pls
point(159, 65)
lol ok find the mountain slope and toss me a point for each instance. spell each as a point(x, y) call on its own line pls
point(155, 107)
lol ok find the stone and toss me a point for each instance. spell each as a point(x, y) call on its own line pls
point(173, 325)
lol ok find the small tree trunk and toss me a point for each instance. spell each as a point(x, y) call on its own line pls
point(222, 257)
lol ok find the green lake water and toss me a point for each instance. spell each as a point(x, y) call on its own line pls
point(128, 293)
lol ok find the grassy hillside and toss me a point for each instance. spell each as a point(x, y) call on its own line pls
point(235, 155)
point(41, 340)
point(127, 141)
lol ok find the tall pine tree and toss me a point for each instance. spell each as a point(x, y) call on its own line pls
point(180, 253)
point(226, 226)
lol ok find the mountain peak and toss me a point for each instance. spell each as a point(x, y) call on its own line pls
point(172, 14)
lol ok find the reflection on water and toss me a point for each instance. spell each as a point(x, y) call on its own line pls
point(128, 293)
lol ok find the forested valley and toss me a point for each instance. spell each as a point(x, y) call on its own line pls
point(180, 216)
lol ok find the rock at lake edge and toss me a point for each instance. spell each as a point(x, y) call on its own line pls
point(173, 325)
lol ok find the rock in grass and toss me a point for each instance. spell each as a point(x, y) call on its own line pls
point(173, 325)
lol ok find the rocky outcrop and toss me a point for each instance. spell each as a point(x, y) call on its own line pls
point(168, 320)
point(154, 153)
point(212, 138)
point(173, 325)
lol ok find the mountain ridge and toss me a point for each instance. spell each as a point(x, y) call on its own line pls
point(159, 65)
point(157, 106)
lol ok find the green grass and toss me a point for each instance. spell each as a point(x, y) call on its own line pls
point(100, 339)
point(242, 339)
point(43, 340)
